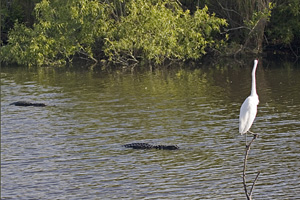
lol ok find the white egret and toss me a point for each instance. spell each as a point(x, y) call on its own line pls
point(249, 107)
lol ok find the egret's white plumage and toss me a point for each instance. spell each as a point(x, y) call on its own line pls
point(249, 107)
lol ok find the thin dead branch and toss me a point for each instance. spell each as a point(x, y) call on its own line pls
point(249, 195)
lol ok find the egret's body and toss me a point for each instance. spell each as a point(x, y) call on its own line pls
point(249, 107)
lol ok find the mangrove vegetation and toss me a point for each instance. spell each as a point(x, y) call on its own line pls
point(53, 32)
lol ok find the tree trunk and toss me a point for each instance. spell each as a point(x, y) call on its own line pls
point(254, 40)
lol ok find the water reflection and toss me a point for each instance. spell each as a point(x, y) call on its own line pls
point(73, 150)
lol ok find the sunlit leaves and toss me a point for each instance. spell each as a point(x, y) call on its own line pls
point(160, 30)
point(63, 29)
point(125, 31)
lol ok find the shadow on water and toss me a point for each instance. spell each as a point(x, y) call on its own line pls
point(74, 150)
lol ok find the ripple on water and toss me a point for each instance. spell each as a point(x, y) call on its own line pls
point(74, 150)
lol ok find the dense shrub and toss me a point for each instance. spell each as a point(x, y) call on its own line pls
point(162, 30)
point(152, 30)
point(63, 29)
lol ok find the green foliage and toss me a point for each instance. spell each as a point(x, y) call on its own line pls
point(258, 15)
point(284, 25)
point(15, 10)
point(63, 29)
point(159, 30)
point(133, 30)
point(20, 42)
point(128, 31)
point(9, 14)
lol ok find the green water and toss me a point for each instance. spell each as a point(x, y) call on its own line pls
point(72, 149)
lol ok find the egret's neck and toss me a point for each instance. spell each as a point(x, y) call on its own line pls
point(253, 90)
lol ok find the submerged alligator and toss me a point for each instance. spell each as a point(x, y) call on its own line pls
point(26, 103)
point(150, 146)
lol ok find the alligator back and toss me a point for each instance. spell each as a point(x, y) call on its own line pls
point(26, 103)
point(150, 146)
point(139, 146)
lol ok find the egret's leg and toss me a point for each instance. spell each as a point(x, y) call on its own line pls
point(246, 138)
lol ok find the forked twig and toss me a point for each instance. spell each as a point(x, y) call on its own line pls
point(249, 195)
point(251, 190)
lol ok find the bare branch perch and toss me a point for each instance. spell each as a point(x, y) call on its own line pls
point(249, 195)
point(251, 190)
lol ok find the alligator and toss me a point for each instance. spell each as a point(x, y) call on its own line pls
point(150, 146)
point(26, 103)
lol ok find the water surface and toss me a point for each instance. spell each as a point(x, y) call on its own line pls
point(72, 149)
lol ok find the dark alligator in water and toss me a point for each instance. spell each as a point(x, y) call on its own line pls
point(150, 146)
point(26, 103)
